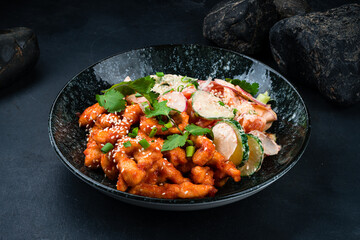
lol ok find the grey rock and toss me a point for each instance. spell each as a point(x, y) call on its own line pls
point(289, 8)
point(322, 49)
point(19, 52)
point(241, 25)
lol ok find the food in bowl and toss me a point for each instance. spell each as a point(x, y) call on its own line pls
point(171, 136)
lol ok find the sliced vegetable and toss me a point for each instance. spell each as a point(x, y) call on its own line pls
point(127, 144)
point(231, 141)
point(263, 97)
point(207, 106)
point(107, 148)
point(175, 100)
point(191, 143)
point(134, 132)
point(269, 145)
point(168, 125)
point(153, 132)
point(240, 91)
point(144, 143)
point(159, 74)
point(256, 156)
point(190, 150)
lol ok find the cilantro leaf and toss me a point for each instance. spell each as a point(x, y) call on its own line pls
point(112, 101)
point(160, 108)
point(196, 130)
point(174, 141)
point(251, 88)
point(142, 86)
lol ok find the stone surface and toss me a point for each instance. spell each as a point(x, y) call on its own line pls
point(19, 52)
point(241, 25)
point(289, 8)
point(323, 50)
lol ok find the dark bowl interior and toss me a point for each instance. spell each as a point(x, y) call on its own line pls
point(292, 128)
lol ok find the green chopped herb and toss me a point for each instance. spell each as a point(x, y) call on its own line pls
point(134, 132)
point(107, 148)
point(138, 95)
point(221, 103)
point(160, 108)
point(174, 141)
point(190, 150)
point(113, 101)
point(145, 144)
point(164, 129)
point(159, 74)
point(180, 88)
point(251, 88)
point(127, 144)
point(153, 132)
point(168, 125)
point(191, 143)
point(196, 130)
point(168, 91)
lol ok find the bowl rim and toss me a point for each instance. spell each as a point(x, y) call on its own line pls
point(178, 202)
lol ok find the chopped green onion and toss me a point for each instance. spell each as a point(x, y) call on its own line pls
point(263, 97)
point(235, 111)
point(159, 74)
point(107, 148)
point(185, 79)
point(168, 91)
point(127, 144)
point(134, 132)
point(164, 129)
point(190, 151)
point(153, 132)
point(221, 103)
point(145, 144)
point(138, 95)
point(180, 88)
point(191, 143)
point(168, 125)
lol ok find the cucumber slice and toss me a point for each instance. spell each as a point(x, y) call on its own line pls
point(208, 106)
point(231, 141)
point(256, 156)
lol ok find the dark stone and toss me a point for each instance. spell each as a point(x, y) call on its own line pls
point(289, 8)
point(19, 52)
point(241, 25)
point(323, 50)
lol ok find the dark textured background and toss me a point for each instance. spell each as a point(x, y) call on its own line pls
point(40, 199)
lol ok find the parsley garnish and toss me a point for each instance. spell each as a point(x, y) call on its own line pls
point(196, 130)
point(174, 141)
point(251, 88)
point(112, 101)
point(160, 108)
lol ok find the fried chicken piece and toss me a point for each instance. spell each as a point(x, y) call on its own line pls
point(176, 156)
point(92, 154)
point(225, 166)
point(107, 120)
point(171, 191)
point(205, 150)
point(147, 124)
point(131, 115)
point(121, 184)
point(90, 115)
point(169, 172)
point(130, 172)
point(202, 175)
point(109, 167)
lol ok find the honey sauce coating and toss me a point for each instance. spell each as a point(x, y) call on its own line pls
point(148, 171)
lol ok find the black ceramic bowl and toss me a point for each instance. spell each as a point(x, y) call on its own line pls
point(292, 128)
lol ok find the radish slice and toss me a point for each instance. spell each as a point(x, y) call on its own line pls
point(240, 91)
point(176, 100)
point(139, 100)
point(225, 139)
point(270, 146)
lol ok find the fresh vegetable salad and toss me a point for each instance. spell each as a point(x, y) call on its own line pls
point(171, 136)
